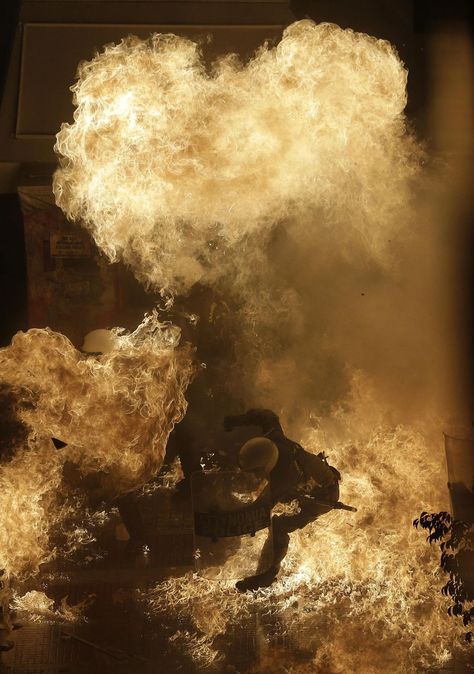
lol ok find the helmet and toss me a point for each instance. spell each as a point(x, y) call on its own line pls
point(258, 454)
point(99, 341)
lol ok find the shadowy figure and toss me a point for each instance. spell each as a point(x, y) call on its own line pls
point(293, 474)
point(204, 318)
point(13, 433)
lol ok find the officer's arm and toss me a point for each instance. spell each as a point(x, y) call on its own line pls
point(266, 419)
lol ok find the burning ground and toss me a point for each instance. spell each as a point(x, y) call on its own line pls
point(357, 592)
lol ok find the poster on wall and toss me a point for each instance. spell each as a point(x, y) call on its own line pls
point(72, 287)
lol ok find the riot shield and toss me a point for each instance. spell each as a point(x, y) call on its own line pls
point(232, 524)
point(460, 460)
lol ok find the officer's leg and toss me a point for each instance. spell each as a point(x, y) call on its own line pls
point(310, 510)
point(274, 548)
point(282, 526)
point(129, 512)
point(184, 446)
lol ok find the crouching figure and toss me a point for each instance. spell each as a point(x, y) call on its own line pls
point(293, 474)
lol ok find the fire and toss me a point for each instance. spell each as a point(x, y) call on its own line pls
point(28, 501)
point(115, 412)
point(186, 173)
point(357, 593)
point(171, 166)
point(38, 607)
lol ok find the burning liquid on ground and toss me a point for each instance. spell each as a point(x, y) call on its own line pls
point(357, 592)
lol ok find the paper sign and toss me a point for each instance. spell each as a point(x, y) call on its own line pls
point(69, 245)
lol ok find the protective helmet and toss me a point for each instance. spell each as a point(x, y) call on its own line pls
point(258, 454)
point(99, 341)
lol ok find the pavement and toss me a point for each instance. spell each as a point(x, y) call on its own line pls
point(119, 636)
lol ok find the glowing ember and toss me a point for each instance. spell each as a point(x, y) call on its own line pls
point(169, 165)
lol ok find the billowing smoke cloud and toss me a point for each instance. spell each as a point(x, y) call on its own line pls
point(171, 167)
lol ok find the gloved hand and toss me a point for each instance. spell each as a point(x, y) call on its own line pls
point(228, 423)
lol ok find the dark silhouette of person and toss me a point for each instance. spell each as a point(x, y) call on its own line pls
point(203, 317)
point(13, 432)
point(293, 474)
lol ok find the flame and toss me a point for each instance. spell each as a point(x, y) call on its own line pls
point(171, 166)
point(28, 502)
point(115, 412)
point(182, 172)
point(38, 607)
point(357, 592)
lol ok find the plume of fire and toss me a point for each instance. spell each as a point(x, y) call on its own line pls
point(29, 487)
point(114, 411)
point(170, 165)
point(179, 170)
point(357, 593)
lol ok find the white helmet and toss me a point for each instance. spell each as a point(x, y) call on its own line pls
point(99, 341)
point(258, 454)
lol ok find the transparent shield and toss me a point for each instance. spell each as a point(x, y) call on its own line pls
point(232, 524)
point(460, 460)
